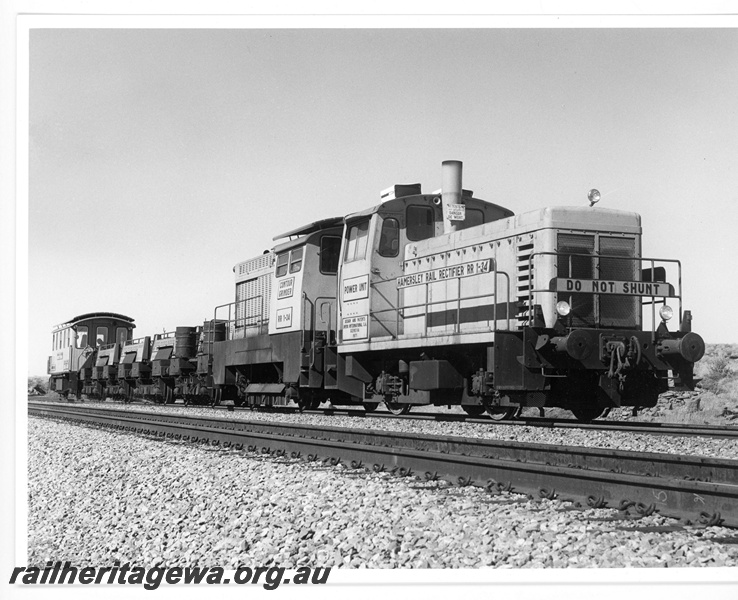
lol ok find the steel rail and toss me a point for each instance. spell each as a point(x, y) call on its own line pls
point(684, 487)
point(654, 428)
point(550, 423)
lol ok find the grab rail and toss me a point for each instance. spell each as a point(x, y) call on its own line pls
point(426, 305)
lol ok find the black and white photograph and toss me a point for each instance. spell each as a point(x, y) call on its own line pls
point(382, 300)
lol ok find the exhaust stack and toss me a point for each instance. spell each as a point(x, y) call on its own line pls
point(453, 208)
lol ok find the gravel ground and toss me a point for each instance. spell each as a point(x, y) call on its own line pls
point(622, 440)
point(96, 497)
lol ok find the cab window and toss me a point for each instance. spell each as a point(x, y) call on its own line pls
point(389, 240)
point(330, 249)
point(282, 262)
point(121, 334)
point(82, 336)
point(356, 243)
point(101, 336)
point(296, 260)
point(419, 223)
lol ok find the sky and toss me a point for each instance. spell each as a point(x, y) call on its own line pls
point(160, 158)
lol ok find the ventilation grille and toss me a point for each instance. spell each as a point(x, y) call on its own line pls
point(524, 283)
point(263, 261)
point(252, 301)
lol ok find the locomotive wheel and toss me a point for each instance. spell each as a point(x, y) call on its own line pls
point(304, 404)
point(396, 408)
point(473, 410)
point(502, 413)
point(311, 402)
point(370, 406)
point(585, 414)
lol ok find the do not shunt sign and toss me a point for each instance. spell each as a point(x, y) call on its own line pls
point(659, 289)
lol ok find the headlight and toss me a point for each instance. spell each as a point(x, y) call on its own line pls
point(563, 308)
point(665, 312)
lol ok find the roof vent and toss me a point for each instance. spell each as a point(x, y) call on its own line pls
point(400, 190)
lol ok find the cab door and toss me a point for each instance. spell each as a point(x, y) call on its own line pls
point(384, 270)
point(353, 285)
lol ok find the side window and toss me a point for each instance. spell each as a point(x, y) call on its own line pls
point(474, 217)
point(101, 336)
point(120, 334)
point(419, 222)
point(282, 260)
point(356, 244)
point(330, 248)
point(389, 240)
point(82, 336)
point(296, 260)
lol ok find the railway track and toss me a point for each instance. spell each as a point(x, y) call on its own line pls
point(714, 431)
point(693, 489)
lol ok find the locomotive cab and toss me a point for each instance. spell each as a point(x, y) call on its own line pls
point(281, 331)
point(374, 249)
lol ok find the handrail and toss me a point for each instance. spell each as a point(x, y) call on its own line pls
point(313, 319)
point(233, 317)
point(458, 300)
point(330, 313)
point(164, 336)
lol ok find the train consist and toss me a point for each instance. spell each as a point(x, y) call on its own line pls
point(424, 299)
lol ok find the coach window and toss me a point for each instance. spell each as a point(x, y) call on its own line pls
point(473, 217)
point(419, 223)
point(330, 249)
point(296, 260)
point(356, 244)
point(101, 336)
point(389, 240)
point(82, 336)
point(282, 261)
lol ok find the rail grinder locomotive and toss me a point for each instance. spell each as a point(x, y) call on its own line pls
point(424, 299)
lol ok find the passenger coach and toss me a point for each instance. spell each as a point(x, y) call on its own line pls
point(75, 345)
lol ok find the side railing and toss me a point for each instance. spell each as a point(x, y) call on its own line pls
point(164, 336)
point(425, 307)
point(238, 319)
